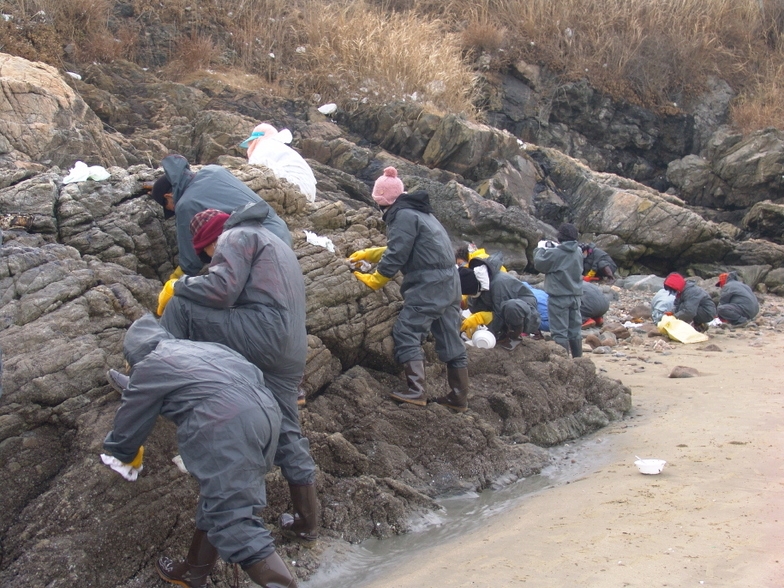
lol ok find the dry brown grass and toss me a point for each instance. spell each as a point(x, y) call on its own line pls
point(652, 52)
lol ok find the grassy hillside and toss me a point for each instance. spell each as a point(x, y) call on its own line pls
point(656, 53)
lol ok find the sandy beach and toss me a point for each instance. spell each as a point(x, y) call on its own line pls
point(713, 517)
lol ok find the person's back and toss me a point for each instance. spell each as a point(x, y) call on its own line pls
point(694, 304)
point(287, 164)
point(594, 303)
point(562, 266)
point(662, 302)
point(211, 187)
point(737, 302)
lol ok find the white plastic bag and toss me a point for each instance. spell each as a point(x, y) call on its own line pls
point(80, 172)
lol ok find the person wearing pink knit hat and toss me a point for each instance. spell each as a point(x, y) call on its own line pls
point(387, 188)
point(419, 247)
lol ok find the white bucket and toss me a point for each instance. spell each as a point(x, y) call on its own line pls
point(483, 339)
point(650, 466)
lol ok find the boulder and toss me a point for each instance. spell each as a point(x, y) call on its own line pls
point(766, 220)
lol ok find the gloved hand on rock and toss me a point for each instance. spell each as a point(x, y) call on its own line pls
point(373, 255)
point(472, 322)
point(166, 294)
point(129, 471)
point(373, 281)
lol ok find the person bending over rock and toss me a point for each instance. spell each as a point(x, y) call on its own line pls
point(563, 268)
point(227, 432)
point(737, 302)
point(183, 194)
point(597, 263)
point(419, 247)
point(499, 300)
point(692, 303)
point(593, 305)
point(252, 300)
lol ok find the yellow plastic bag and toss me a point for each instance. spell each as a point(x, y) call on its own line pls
point(678, 330)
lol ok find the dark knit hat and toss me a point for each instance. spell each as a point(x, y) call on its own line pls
point(206, 227)
point(675, 282)
point(567, 232)
point(469, 285)
point(162, 186)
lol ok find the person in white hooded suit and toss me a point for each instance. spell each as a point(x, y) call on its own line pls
point(266, 146)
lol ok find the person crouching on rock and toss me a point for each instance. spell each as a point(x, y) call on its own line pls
point(597, 263)
point(593, 305)
point(499, 300)
point(692, 303)
point(563, 268)
point(252, 300)
point(419, 247)
point(227, 431)
point(737, 302)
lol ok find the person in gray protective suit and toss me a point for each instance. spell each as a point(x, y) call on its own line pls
point(692, 303)
point(184, 193)
point(597, 262)
point(593, 305)
point(563, 268)
point(419, 247)
point(737, 302)
point(227, 432)
point(252, 300)
point(511, 302)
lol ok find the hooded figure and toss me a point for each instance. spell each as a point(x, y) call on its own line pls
point(661, 303)
point(692, 303)
point(211, 187)
point(253, 300)
point(511, 302)
point(227, 431)
point(267, 147)
point(737, 303)
point(593, 304)
point(563, 269)
point(541, 306)
point(419, 247)
point(597, 261)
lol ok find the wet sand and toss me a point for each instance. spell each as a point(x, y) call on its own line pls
point(713, 517)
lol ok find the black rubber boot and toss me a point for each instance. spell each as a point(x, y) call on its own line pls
point(607, 273)
point(563, 343)
point(194, 571)
point(271, 573)
point(576, 346)
point(415, 383)
point(457, 398)
point(304, 523)
point(117, 380)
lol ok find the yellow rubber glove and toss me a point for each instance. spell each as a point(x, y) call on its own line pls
point(177, 273)
point(137, 461)
point(472, 322)
point(166, 294)
point(373, 255)
point(373, 281)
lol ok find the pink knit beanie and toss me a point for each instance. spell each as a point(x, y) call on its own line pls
point(387, 188)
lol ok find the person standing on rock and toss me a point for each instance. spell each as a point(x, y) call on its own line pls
point(597, 264)
point(184, 193)
point(593, 305)
point(499, 300)
point(737, 303)
point(419, 247)
point(692, 303)
point(562, 265)
point(252, 300)
point(227, 432)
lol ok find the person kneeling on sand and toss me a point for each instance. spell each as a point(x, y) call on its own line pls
point(737, 303)
point(227, 431)
point(593, 305)
point(692, 303)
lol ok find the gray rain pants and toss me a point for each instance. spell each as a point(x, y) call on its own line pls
point(565, 319)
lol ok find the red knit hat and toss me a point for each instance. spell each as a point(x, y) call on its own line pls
point(206, 227)
point(675, 282)
point(387, 188)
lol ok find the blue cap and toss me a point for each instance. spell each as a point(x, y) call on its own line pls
point(254, 135)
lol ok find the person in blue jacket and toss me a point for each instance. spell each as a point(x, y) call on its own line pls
point(227, 432)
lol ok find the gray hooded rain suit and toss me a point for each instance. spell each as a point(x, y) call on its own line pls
point(419, 247)
point(694, 305)
point(593, 303)
point(512, 302)
point(597, 260)
point(737, 303)
point(211, 187)
point(253, 301)
point(227, 430)
point(563, 269)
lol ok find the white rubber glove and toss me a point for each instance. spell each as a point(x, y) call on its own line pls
point(128, 472)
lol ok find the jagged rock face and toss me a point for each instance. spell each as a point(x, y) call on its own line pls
point(737, 172)
point(766, 219)
point(43, 120)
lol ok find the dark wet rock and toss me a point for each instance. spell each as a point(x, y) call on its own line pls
point(774, 281)
point(756, 252)
point(683, 371)
point(766, 220)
